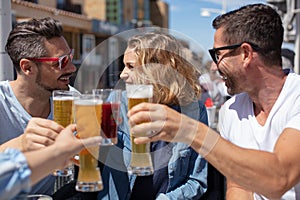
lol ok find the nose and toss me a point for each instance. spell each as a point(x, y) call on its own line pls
point(124, 73)
point(213, 67)
point(71, 67)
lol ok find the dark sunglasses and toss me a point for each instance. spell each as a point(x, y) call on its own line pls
point(215, 56)
point(62, 60)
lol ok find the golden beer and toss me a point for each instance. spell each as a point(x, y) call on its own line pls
point(88, 121)
point(141, 163)
point(63, 114)
point(89, 164)
point(141, 148)
point(63, 111)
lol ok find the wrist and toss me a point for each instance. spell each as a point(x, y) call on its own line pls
point(207, 139)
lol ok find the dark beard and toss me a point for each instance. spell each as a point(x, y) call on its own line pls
point(39, 82)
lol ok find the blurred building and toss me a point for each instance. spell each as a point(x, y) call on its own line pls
point(90, 23)
point(290, 14)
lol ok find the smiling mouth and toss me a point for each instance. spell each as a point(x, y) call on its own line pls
point(65, 77)
point(224, 78)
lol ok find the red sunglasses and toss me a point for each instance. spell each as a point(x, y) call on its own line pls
point(62, 60)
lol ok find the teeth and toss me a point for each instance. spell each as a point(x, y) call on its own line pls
point(224, 78)
point(65, 79)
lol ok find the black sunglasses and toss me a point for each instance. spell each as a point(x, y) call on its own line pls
point(215, 56)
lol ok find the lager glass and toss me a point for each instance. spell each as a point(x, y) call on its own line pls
point(141, 163)
point(88, 109)
point(63, 114)
point(110, 114)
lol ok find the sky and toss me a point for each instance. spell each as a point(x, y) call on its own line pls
point(185, 18)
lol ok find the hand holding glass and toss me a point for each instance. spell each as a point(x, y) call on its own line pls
point(141, 163)
point(88, 109)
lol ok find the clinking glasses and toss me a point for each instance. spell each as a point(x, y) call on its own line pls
point(62, 60)
point(214, 52)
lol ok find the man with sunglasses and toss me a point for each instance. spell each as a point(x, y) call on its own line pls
point(42, 60)
point(260, 125)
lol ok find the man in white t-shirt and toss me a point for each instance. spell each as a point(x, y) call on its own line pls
point(260, 126)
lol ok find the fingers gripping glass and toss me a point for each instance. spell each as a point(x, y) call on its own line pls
point(62, 60)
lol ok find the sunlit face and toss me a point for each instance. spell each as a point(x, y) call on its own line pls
point(130, 61)
point(49, 76)
point(229, 65)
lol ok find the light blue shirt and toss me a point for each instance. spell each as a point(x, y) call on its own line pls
point(14, 174)
point(14, 119)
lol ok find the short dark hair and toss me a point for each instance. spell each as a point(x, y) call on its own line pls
point(27, 38)
point(259, 24)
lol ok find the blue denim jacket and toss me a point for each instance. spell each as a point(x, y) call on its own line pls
point(187, 169)
point(14, 174)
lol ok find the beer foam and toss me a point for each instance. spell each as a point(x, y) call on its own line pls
point(88, 102)
point(62, 98)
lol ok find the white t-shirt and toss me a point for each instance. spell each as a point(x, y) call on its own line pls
point(237, 123)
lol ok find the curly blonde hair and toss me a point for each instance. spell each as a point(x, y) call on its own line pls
point(165, 65)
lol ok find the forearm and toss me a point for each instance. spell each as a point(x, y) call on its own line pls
point(254, 170)
point(15, 143)
point(15, 171)
point(235, 192)
point(42, 162)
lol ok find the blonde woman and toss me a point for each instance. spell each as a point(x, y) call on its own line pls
point(158, 58)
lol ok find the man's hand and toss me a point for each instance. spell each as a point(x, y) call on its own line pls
point(39, 133)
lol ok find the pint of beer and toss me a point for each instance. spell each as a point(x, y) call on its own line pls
point(88, 110)
point(63, 107)
point(110, 114)
point(141, 163)
point(63, 114)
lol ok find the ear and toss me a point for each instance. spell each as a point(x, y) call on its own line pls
point(247, 53)
point(26, 66)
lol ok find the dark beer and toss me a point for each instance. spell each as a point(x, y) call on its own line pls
point(110, 114)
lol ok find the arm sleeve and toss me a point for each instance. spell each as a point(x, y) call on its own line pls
point(195, 184)
point(14, 174)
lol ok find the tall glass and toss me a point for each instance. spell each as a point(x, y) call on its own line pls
point(141, 163)
point(63, 114)
point(110, 114)
point(88, 109)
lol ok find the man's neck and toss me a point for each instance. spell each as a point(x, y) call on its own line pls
point(265, 97)
point(34, 100)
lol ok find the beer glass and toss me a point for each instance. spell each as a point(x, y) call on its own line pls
point(63, 114)
point(110, 114)
point(88, 109)
point(141, 163)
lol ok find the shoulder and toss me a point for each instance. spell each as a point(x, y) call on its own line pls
point(237, 100)
point(237, 105)
point(4, 87)
point(292, 82)
point(6, 91)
